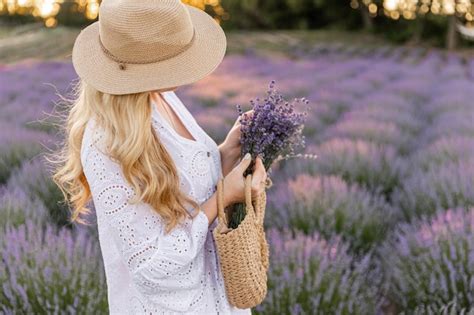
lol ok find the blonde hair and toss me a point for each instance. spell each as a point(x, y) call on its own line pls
point(133, 143)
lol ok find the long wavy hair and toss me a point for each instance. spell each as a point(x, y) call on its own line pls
point(133, 142)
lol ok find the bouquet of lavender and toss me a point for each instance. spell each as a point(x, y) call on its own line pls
point(273, 131)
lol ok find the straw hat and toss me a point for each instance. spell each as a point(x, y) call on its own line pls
point(145, 45)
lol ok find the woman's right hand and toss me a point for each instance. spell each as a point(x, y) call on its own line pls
point(234, 182)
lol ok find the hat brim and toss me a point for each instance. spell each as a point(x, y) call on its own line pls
point(199, 60)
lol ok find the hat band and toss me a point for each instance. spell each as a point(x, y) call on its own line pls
point(159, 58)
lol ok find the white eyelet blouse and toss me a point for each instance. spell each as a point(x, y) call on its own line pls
point(147, 271)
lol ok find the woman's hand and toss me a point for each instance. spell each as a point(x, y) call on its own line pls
point(234, 182)
point(230, 148)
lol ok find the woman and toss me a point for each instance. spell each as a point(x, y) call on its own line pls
point(150, 169)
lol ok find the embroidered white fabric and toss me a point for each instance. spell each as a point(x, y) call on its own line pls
point(147, 271)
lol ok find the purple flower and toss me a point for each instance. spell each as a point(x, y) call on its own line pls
point(376, 167)
point(16, 207)
point(440, 187)
point(445, 150)
point(329, 205)
point(317, 276)
point(430, 262)
point(273, 131)
point(18, 144)
point(374, 130)
point(35, 178)
point(44, 269)
point(393, 129)
point(274, 128)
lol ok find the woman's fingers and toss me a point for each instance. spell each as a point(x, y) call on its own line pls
point(259, 177)
point(248, 114)
point(260, 168)
point(259, 172)
point(244, 163)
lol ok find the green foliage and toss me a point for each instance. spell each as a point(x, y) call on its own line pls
point(14, 153)
point(289, 14)
point(16, 207)
point(298, 14)
point(36, 179)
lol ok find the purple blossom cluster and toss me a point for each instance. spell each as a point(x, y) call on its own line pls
point(413, 89)
point(18, 144)
point(373, 130)
point(430, 263)
point(384, 119)
point(373, 166)
point(329, 205)
point(16, 207)
point(27, 92)
point(47, 271)
point(445, 150)
point(440, 187)
point(43, 269)
point(393, 131)
point(311, 275)
point(35, 179)
point(274, 128)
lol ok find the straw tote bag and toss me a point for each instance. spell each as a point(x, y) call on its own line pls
point(243, 252)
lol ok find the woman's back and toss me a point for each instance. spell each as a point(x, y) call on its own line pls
point(148, 271)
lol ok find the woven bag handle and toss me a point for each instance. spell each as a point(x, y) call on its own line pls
point(248, 189)
point(220, 201)
point(248, 200)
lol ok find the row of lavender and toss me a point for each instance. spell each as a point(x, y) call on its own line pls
point(380, 222)
point(394, 181)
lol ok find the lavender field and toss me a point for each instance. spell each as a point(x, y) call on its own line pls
point(381, 223)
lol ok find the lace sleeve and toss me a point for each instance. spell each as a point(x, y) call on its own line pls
point(161, 265)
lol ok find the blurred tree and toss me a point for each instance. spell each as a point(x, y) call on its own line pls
point(396, 20)
point(51, 12)
point(451, 10)
point(365, 14)
point(290, 14)
point(76, 12)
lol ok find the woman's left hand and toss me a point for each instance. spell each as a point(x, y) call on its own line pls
point(230, 148)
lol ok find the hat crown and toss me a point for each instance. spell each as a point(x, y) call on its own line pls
point(144, 31)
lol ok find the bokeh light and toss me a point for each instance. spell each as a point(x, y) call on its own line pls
point(410, 9)
point(47, 10)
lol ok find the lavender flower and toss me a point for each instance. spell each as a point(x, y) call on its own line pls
point(329, 205)
point(430, 263)
point(17, 144)
point(274, 129)
point(445, 150)
point(373, 130)
point(16, 207)
point(393, 144)
point(27, 90)
point(448, 308)
point(414, 89)
point(447, 101)
point(376, 167)
point(35, 178)
point(452, 123)
point(46, 271)
point(310, 275)
point(440, 187)
point(402, 117)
